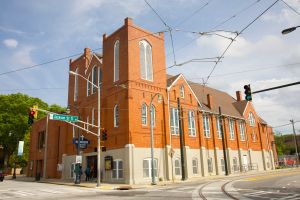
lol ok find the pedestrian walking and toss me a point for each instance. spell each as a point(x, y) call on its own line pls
point(87, 172)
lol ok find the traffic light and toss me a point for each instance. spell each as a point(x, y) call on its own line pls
point(31, 117)
point(248, 93)
point(104, 135)
point(35, 111)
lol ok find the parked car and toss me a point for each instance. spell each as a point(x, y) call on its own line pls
point(1, 175)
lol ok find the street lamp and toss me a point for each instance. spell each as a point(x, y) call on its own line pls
point(77, 179)
point(98, 135)
point(151, 138)
point(288, 30)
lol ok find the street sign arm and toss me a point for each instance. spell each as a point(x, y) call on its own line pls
point(82, 128)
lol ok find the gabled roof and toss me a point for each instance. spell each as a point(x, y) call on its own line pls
point(241, 106)
point(262, 121)
point(219, 98)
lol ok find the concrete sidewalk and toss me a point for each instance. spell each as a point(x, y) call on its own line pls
point(116, 186)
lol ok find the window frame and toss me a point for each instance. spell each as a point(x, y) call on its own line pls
point(191, 123)
point(116, 58)
point(116, 168)
point(153, 111)
point(144, 114)
point(206, 125)
point(181, 91)
point(116, 116)
point(218, 126)
point(251, 119)
point(174, 121)
point(242, 130)
point(210, 167)
point(88, 86)
point(144, 44)
point(231, 129)
point(148, 160)
point(195, 167)
point(94, 79)
point(76, 85)
point(176, 168)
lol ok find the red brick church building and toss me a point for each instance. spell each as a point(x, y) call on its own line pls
point(131, 70)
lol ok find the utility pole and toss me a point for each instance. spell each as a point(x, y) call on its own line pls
point(223, 141)
point(296, 143)
point(181, 143)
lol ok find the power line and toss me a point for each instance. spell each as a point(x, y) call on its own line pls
point(236, 14)
point(44, 63)
point(293, 9)
point(246, 27)
point(250, 70)
point(285, 124)
point(195, 12)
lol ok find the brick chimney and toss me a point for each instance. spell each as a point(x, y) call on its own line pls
point(128, 21)
point(238, 96)
point(209, 101)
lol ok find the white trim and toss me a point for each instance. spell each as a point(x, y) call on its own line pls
point(181, 75)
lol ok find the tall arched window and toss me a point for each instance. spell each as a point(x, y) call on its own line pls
point(177, 166)
point(88, 86)
point(94, 79)
point(116, 60)
point(99, 76)
point(146, 61)
point(144, 114)
point(116, 116)
point(153, 115)
point(251, 119)
point(76, 85)
point(182, 91)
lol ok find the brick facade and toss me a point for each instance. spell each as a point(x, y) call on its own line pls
point(129, 141)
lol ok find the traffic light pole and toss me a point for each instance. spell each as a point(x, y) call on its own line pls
point(296, 143)
point(181, 143)
point(274, 88)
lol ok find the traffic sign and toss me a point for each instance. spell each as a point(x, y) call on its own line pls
point(60, 117)
point(83, 142)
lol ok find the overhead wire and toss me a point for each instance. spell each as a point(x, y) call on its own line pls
point(289, 6)
point(239, 33)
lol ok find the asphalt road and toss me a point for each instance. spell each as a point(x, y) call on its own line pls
point(276, 185)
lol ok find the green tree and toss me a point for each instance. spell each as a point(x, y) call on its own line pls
point(14, 109)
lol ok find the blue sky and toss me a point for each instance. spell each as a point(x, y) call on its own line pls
point(33, 32)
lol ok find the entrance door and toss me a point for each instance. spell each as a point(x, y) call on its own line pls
point(92, 162)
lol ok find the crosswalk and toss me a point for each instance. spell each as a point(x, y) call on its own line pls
point(272, 195)
point(39, 193)
point(181, 189)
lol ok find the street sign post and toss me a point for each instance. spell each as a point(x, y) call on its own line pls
point(60, 117)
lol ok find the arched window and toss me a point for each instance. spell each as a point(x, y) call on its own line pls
point(251, 119)
point(146, 61)
point(76, 85)
point(177, 166)
point(209, 165)
point(144, 114)
point(116, 116)
point(182, 91)
point(153, 115)
point(99, 76)
point(116, 60)
point(195, 165)
point(88, 86)
point(191, 123)
point(94, 79)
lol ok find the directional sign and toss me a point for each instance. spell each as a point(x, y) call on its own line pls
point(83, 142)
point(63, 117)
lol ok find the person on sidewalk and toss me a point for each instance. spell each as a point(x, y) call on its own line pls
point(87, 172)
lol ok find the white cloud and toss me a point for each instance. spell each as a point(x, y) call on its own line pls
point(22, 57)
point(10, 43)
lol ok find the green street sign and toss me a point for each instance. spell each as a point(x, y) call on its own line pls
point(63, 117)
